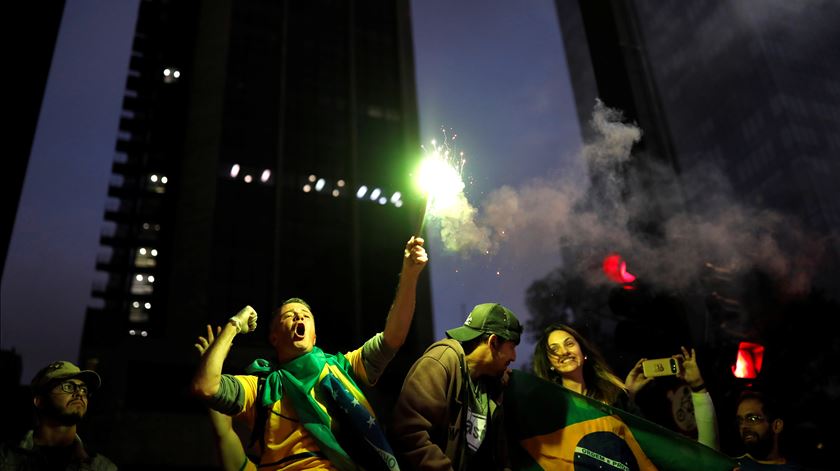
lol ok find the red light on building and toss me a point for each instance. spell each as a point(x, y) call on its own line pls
point(616, 270)
point(748, 362)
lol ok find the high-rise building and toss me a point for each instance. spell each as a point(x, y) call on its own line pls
point(605, 50)
point(753, 90)
point(264, 153)
point(747, 92)
point(738, 87)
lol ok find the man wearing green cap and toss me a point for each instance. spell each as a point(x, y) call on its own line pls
point(61, 392)
point(448, 414)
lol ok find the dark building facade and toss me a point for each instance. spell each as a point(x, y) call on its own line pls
point(36, 26)
point(745, 91)
point(735, 88)
point(264, 153)
point(750, 86)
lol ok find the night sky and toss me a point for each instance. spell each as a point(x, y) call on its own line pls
point(497, 76)
point(49, 268)
point(492, 71)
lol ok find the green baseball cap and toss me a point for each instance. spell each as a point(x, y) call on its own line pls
point(62, 370)
point(488, 318)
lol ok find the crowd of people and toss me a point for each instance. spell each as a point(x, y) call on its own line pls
point(307, 410)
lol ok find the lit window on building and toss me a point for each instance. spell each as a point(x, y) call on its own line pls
point(145, 257)
point(149, 228)
point(139, 312)
point(157, 183)
point(376, 195)
point(142, 284)
point(171, 75)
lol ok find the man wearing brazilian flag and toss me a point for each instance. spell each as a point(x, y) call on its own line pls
point(307, 403)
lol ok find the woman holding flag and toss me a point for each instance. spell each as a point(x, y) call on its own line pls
point(584, 424)
point(565, 357)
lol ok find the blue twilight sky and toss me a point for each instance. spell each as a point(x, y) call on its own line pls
point(50, 265)
point(494, 71)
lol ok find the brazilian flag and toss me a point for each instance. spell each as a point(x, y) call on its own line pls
point(552, 428)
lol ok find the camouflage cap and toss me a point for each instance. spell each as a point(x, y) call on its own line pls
point(62, 370)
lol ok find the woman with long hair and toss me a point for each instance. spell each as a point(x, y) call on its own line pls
point(565, 357)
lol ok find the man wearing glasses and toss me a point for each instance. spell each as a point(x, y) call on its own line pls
point(61, 392)
point(760, 426)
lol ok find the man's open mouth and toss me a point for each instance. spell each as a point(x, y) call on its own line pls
point(300, 330)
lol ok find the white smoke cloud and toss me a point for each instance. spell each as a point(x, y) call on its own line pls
point(592, 218)
point(459, 230)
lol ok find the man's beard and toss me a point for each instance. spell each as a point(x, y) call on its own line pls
point(54, 412)
point(761, 448)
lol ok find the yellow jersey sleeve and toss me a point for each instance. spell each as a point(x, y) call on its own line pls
point(357, 364)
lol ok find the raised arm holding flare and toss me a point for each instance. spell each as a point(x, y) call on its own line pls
point(306, 405)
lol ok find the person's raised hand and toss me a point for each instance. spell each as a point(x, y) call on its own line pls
point(245, 320)
point(690, 371)
point(205, 342)
point(636, 379)
point(414, 256)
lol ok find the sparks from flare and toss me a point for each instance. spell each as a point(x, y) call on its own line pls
point(439, 176)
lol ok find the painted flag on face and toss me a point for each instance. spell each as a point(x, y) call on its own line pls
point(552, 428)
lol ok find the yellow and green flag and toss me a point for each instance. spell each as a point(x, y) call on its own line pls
point(552, 428)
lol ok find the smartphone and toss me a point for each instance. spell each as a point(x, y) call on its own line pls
point(660, 367)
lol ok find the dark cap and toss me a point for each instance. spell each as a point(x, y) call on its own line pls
point(488, 318)
point(62, 370)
